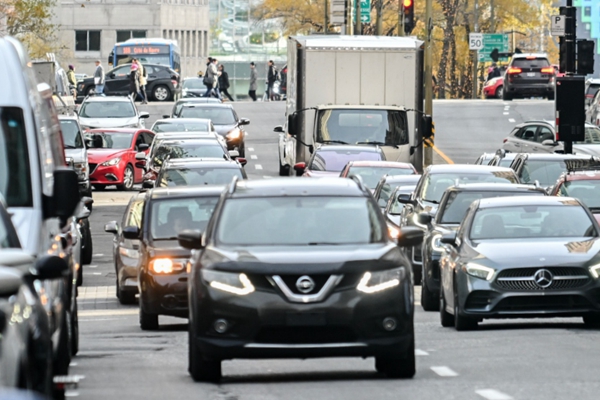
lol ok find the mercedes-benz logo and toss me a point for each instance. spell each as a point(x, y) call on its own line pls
point(543, 278)
point(305, 284)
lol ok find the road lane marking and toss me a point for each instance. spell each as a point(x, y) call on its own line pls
point(419, 352)
point(90, 266)
point(505, 113)
point(444, 371)
point(96, 273)
point(267, 177)
point(512, 120)
point(253, 157)
point(492, 394)
point(250, 148)
point(107, 313)
point(258, 166)
point(99, 255)
point(441, 154)
point(71, 393)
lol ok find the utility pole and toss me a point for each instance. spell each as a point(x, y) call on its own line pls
point(492, 17)
point(358, 28)
point(326, 17)
point(400, 18)
point(475, 53)
point(379, 17)
point(349, 14)
point(567, 60)
point(428, 75)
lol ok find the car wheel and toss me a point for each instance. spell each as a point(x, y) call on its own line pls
point(128, 178)
point(429, 301)
point(500, 92)
point(592, 321)
point(91, 91)
point(125, 297)
point(284, 170)
point(551, 97)
point(100, 188)
point(462, 323)
point(74, 331)
point(446, 319)
point(242, 149)
point(36, 371)
point(63, 353)
point(161, 93)
point(148, 322)
point(86, 253)
point(398, 367)
point(201, 369)
point(506, 96)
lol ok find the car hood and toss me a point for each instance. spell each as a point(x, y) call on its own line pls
point(514, 253)
point(322, 174)
point(108, 122)
point(321, 259)
point(224, 129)
point(78, 155)
point(97, 156)
point(193, 92)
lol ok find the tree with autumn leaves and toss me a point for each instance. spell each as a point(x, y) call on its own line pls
point(453, 21)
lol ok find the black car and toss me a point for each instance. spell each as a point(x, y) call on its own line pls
point(199, 172)
point(529, 75)
point(299, 268)
point(193, 88)
point(430, 189)
point(521, 257)
point(452, 209)
point(163, 83)
point(225, 120)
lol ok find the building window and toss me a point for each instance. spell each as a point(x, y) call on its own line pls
point(126, 35)
point(87, 40)
point(587, 11)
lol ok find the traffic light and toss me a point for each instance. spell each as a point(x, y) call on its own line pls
point(585, 57)
point(408, 7)
point(495, 55)
point(563, 55)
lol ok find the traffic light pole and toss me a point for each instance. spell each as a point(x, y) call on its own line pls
point(428, 75)
point(475, 53)
point(358, 27)
point(568, 52)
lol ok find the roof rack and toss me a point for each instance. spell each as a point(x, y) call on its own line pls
point(589, 164)
point(232, 185)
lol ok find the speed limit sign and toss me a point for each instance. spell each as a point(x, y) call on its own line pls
point(475, 41)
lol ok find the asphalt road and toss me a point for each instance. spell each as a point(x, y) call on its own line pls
point(533, 359)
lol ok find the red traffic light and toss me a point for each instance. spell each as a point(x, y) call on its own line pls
point(408, 3)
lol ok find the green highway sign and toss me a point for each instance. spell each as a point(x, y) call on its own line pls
point(365, 11)
point(493, 41)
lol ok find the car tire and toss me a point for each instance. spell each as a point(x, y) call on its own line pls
point(128, 179)
point(398, 367)
point(284, 170)
point(500, 92)
point(74, 331)
point(161, 93)
point(91, 91)
point(429, 301)
point(201, 369)
point(506, 96)
point(148, 322)
point(100, 188)
point(36, 371)
point(242, 149)
point(125, 297)
point(551, 97)
point(86, 252)
point(462, 323)
point(446, 319)
point(63, 352)
point(592, 321)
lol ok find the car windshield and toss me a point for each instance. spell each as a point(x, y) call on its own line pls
point(71, 134)
point(15, 174)
point(585, 190)
point(308, 221)
point(171, 216)
point(592, 135)
point(532, 221)
point(218, 115)
point(386, 127)
point(372, 175)
point(193, 84)
point(436, 184)
point(336, 160)
point(178, 126)
point(546, 172)
point(188, 150)
point(198, 176)
point(107, 109)
point(110, 140)
point(458, 203)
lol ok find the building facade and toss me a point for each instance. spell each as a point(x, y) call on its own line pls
point(89, 29)
point(588, 25)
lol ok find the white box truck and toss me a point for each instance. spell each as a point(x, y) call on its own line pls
point(353, 90)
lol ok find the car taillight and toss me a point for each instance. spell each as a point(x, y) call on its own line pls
point(548, 70)
point(513, 70)
point(505, 140)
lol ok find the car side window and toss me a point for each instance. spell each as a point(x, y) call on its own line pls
point(527, 133)
point(148, 138)
point(134, 216)
point(121, 71)
point(545, 134)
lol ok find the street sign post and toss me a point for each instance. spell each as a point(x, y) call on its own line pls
point(558, 25)
point(365, 11)
point(493, 41)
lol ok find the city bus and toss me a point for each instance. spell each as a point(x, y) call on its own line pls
point(148, 51)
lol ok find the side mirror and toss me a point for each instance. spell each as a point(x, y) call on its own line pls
point(424, 218)
point(300, 167)
point(87, 201)
point(144, 115)
point(166, 116)
point(233, 153)
point(449, 238)
point(10, 282)
point(278, 129)
point(427, 126)
point(140, 156)
point(51, 267)
point(410, 236)
point(142, 147)
point(83, 212)
point(242, 161)
point(405, 198)
point(148, 184)
point(112, 227)
point(548, 142)
point(292, 124)
point(243, 121)
point(66, 192)
point(190, 239)
point(112, 76)
point(131, 232)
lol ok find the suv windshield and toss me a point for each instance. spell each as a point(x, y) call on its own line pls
point(110, 141)
point(177, 126)
point(336, 160)
point(545, 172)
point(71, 134)
point(584, 190)
point(171, 216)
point(187, 150)
point(107, 109)
point(309, 221)
point(436, 184)
point(15, 177)
point(386, 127)
point(193, 84)
point(218, 115)
point(198, 176)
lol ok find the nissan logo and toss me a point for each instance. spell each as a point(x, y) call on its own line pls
point(543, 278)
point(305, 284)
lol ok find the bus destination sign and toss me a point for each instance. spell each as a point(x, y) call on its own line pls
point(138, 50)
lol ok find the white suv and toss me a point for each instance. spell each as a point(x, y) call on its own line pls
point(110, 112)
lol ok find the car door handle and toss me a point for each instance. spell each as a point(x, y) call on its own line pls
point(517, 144)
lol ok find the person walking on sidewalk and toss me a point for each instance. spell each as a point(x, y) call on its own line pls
point(143, 80)
point(210, 78)
point(224, 82)
point(253, 81)
point(99, 79)
point(271, 78)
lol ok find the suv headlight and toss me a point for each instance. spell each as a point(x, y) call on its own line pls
point(166, 265)
point(234, 134)
point(373, 282)
point(229, 282)
point(111, 162)
point(480, 271)
point(436, 243)
point(595, 271)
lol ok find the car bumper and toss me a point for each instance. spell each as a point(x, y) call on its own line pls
point(164, 294)
point(489, 91)
point(481, 299)
point(537, 88)
point(107, 175)
point(263, 325)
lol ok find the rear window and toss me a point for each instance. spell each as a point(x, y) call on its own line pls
point(530, 63)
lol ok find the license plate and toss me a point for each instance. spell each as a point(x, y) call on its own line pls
point(531, 74)
point(305, 319)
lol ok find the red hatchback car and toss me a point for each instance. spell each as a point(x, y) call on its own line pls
point(111, 154)
point(494, 88)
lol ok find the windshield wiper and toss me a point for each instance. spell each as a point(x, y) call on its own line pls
point(334, 141)
point(378, 144)
point(432, 201)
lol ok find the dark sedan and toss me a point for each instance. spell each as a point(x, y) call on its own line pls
point(521, 257)
point(299, 268)
point(163, 83)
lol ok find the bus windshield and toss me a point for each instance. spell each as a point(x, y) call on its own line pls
point(155, 52)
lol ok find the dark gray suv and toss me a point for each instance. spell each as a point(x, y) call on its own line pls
point(529, 75)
